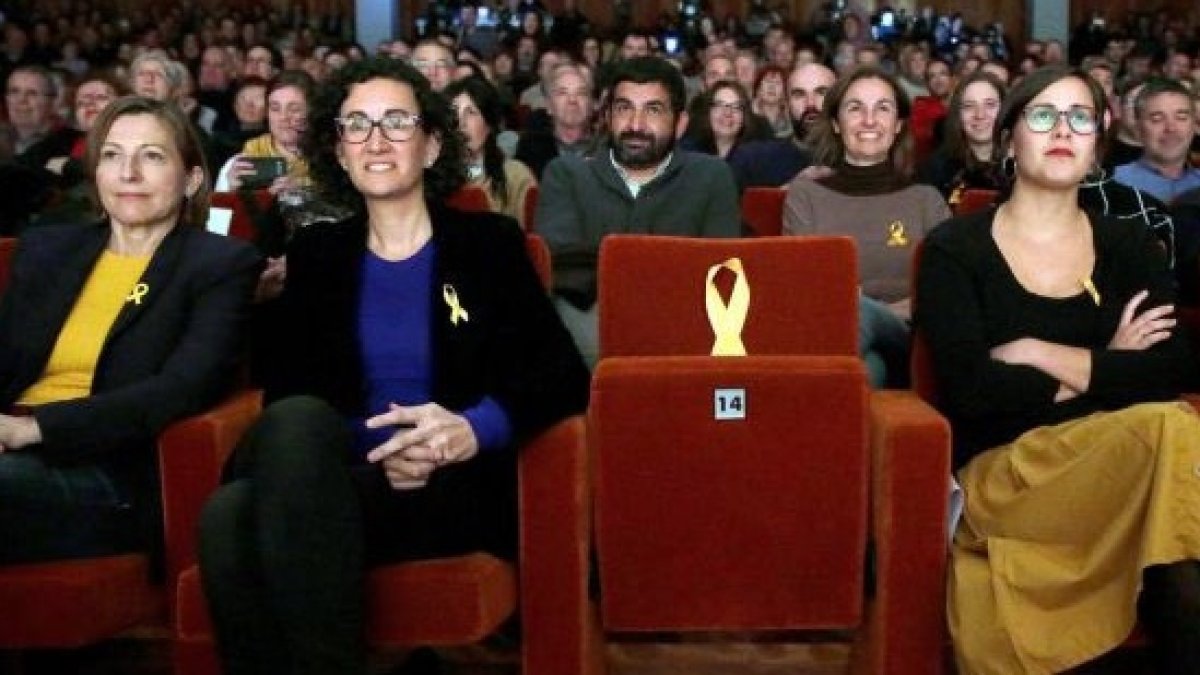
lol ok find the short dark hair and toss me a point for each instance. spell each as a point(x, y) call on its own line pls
point(293, 78)
point(1028, 89)
point(652, 70)
point(1155, 86)
point(320, 140)
point(179, 128)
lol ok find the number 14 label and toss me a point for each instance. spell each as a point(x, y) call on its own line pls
point(729, 404)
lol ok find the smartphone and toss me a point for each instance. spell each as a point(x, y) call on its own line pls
point(266, 170)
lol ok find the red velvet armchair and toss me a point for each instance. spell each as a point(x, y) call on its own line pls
point(745, 493)
point(970, 200)
point(762, 210)
point(471, 595)
point(241, 224)
point(78, 602)
point(7, 246)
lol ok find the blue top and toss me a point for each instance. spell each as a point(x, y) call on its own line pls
point(1148, 179)
point(394, 334)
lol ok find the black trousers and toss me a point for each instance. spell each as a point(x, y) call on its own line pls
point(285, 544)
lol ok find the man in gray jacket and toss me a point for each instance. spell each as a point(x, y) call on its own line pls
point(638, 183)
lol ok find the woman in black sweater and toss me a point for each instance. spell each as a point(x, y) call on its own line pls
point(1056, 359)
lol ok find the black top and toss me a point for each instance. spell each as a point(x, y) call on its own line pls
point(948, 174)
point(968, 301)
point(512, 347)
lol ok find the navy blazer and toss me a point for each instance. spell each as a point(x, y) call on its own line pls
point(513, 347)
point(169, 356)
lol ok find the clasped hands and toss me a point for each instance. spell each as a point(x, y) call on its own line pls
point(18, 432)
point(427, 437)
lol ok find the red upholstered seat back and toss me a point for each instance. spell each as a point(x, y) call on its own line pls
point(530, 207)
point(469, 198)
point(804, 294)
point(7, 246)
point(972, 200)
point(758, 521)
point(762, 210)
point(926, 111)
point(539, 255)
point(241, 225)
point(710, 524)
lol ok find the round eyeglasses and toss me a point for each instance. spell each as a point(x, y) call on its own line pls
point(1043, 118)
point(396, 126)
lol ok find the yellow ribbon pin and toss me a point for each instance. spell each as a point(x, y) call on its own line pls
point(896, 234)
point(456, 309)
point(727, 320)
point(1091, 289)
point(139, 291)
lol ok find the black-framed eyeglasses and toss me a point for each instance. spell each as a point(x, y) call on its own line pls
point(397, 126)
point(1042, 119)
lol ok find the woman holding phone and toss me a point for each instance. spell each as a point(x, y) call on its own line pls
point(273, 160)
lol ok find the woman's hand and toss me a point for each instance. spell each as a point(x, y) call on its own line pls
point(427, 437)
point(1019, 352)
point(18, 432)
point(270, 282)
point(239, 171)
point(1146, 329)
point(284, 184)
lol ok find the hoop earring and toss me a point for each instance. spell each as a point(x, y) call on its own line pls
point(1008, 167)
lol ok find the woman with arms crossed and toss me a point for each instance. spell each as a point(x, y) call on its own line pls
point(1056, 358)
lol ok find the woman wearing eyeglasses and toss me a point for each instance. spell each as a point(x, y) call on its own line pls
point(723, 119)
point(417, 350)
point(1056, 358)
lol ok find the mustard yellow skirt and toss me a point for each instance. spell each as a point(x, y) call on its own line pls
point(1058, 525)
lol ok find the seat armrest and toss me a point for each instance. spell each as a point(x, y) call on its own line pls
point(554, 550)
point(910, 463)
point(191, 453)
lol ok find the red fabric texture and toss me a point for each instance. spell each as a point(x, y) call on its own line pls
point(539, 255)
point(74, 603)
point(971, 200)
point(926, 111)
point(804, 294)
point(727, 525)
point(241, 225)
point(7, 246)
point(463, 599)
point(530, 207)
point(469, 198)
point(761, 523)
point(762, 210)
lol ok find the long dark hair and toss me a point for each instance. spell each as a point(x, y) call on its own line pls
point(956, 144)
point(320, 140)
point(700, 126)
point(487, 99)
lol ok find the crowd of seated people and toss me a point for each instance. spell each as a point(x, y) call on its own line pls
point(618, 134)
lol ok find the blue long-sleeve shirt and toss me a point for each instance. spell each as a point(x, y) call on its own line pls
point(395, 308)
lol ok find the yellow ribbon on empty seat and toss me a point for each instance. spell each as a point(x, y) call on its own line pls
point(727, 320)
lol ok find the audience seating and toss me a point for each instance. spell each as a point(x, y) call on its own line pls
point(762, 210)
point(241, 225)
point(7, 246)
point(469, 198)
point(971, 200)
point(446, 601)
point(72, 603)
point(926, 113)
point(765, 522)
point(529, 208)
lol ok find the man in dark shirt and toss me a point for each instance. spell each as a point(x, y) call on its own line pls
point(570, 109)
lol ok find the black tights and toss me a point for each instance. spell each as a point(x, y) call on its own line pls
point(284, 546)
point(1170, 611)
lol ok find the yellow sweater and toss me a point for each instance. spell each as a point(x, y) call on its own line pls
point(72, 364)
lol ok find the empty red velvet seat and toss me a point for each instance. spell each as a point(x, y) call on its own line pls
point(737, 493)
point(244, 207)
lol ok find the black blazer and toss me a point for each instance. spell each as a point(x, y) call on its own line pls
point(512, 347)
point(170, 356)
